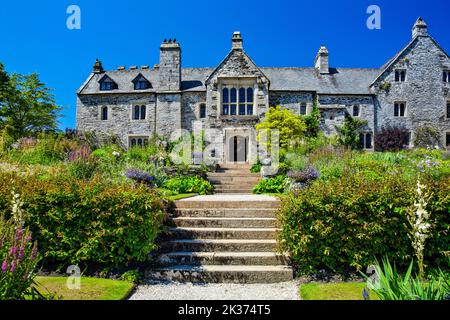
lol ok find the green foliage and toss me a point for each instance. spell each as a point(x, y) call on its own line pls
point(349, 132)
point(256, 168)
point(88, 221)
point(392, 285)
point(83, 169)
point(271, 185)
point(290, 126)
point(312, 121)
point(188, 184)
point(27, 106)
point(341, 224)
point(427, 137)
point(131, 276)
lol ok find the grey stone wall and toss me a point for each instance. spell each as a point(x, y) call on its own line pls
point(168, 113)
point(119, 114)
point(424, 92)
point(291, 100)
point(190, 102)
point(333, 109)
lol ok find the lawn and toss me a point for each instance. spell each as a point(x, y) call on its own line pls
point(182, 196)
point(90, 288)
point(334, 291)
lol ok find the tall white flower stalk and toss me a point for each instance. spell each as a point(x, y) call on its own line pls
point(18, 214)
point(419, 220)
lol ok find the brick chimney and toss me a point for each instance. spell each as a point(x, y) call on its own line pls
point(321, 62)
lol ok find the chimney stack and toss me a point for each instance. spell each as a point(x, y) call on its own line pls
point(420, 28)
point(321, 62)
point(98, 67)
point(237, 41)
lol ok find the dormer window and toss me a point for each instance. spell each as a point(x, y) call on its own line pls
point(446, 76)
point(107, 84)
point(400, 75)
point(141, 83)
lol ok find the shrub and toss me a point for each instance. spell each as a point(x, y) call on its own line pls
point(349, 132)
point(18, 257)
point(312, 122)
point(88, 222)
point(189, 185)
point(290, 126)
point(141, 177)
point(256, 168)
point(427, 137)
point(271, 185)
point(391, 138)
point(341, 224)
point(305, 176)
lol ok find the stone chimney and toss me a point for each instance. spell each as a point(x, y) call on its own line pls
point(321, 62)
point(170, 66)
point(420, 28)
point(98, 67)
point(237, 41)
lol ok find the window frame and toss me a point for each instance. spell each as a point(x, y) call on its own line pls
point(139, 112)
point(446, 76)
point(102, 113)
point(200, 107)
point(136, 138)
point(398, 109)
point(447, 139)
point(358, 107)
point(303, 106)
point(447, 110)
point(238, 101)
point(363, 140)
point(400, 75)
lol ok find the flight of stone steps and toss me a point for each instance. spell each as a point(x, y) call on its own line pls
point(234, 178)
point(222, 238)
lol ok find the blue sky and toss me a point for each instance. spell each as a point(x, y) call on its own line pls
point(34, 36)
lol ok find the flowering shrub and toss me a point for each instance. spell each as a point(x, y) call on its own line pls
point(341, 224)
point(18, 256)
point(427, 138)
point(141, 177)
point(306, 176)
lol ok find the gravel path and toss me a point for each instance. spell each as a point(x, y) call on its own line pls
point(216, 291)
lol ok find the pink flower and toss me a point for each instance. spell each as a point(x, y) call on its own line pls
point(12, 250)
point(21, 252)
point(4, 266)
point(13, 266)
point(19, 234)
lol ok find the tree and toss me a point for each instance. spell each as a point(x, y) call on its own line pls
point(27, 106)
point(428, 138)
point(290, 126)
point(312, 121)
point(349, 132)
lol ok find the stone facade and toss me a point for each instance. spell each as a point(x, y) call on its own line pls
point(174, 97)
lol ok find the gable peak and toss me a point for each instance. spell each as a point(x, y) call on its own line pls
point(420, 28)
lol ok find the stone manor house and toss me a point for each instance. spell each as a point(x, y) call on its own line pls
point(411, 89)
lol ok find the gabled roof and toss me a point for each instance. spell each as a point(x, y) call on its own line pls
point(395, 58)
point(229, 56)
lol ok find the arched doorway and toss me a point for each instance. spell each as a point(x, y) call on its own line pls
point(238, 149)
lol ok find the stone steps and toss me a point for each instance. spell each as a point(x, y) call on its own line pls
point(199, 204)
point(224, 273)
point(222, 238)
point(234, 190)
point(221, 233)
point(226, 212)
point(216, 245)
point(227, 222)
point(221, 258)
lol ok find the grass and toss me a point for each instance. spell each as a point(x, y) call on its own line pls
point(181, 196)
point(334, 291)
point(91, 288)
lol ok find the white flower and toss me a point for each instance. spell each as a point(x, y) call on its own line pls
point(116, 154)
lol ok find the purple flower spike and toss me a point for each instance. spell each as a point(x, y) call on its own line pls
point(13, 266)
point(4, 266)
point(12, 250)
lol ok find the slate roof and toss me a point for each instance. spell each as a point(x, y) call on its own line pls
point(339, 81)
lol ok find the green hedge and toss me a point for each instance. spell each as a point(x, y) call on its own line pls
point(87, 222)
point(341, 225)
